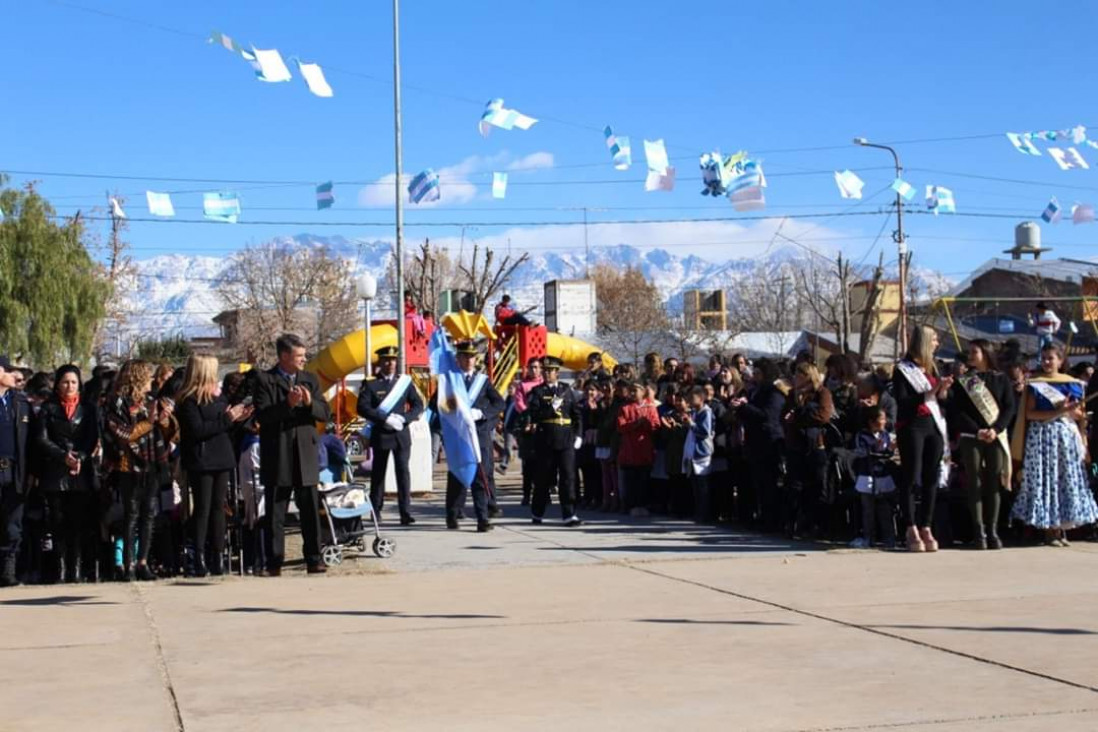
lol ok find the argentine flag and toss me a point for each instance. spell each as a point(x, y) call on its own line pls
point(459, 430)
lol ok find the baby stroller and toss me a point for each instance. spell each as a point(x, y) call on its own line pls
point(346, 506)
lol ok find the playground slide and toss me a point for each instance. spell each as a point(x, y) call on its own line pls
point(348, 353)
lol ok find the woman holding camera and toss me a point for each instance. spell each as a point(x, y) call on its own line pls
point(206, 422)
point(66, 433)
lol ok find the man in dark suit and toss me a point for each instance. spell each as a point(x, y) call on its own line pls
point(288, 405)
point(486, 406)
point(14, 426)
point(390, 403)
point(554, 413)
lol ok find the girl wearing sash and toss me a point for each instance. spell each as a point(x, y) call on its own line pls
point(920, 425)
point(1054, 494)
point(981, 407)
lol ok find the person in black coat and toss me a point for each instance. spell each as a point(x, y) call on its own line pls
point(980, 449)
point(15, 415)
point(764, 440)
point(206, 453)
point(288, 406)
point(558, 432)
point(389, 434)
point(487, 406)
point(66, 433)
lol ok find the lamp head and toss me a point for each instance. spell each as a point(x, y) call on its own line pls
point(860, 141)
point(366, 286)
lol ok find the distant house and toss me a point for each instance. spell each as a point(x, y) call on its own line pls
point(245, 333)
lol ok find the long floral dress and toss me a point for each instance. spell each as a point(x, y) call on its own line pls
point(1055, 493)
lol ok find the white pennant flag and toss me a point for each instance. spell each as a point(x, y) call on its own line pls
point(850, 185)
point(270, 66)
point(160, 204)
point(1022, 144)
point(1082, 213)
point(1068, 159)
point(499, 185)
point(314, 79)
point(116, 209)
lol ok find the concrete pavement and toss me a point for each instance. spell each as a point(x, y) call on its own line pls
point(617, 625)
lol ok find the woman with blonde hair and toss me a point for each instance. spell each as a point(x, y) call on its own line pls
point(921, 427)
point(206, 452)
point(138, 430)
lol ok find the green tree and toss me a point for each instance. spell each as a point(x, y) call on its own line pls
point(52, 292)
point(174, 349)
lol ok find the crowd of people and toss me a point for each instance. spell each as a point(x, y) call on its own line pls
point(134, 473)
point(914, 454)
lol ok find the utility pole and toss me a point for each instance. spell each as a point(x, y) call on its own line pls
point(399, 247)
point(901, 248)
point(586, 249)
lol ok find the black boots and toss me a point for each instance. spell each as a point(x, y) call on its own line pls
point(7, 572)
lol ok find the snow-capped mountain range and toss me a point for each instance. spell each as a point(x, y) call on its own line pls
point(177, 293)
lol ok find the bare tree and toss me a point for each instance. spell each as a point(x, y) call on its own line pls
point(427, 274)
point(279, 286)
point(768, 300)
point(483, 277)
point(631, 313)
point(870, 312)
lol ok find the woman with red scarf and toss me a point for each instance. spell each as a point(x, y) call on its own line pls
point(65, 436)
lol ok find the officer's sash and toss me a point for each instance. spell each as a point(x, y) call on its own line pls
point(476, 388)
point(400, 388)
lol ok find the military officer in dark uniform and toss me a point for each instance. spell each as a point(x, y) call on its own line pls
point(389, 434)
point(555, 415)
point(486, 406)
point(15, 414)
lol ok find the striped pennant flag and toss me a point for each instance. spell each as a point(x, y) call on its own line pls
point(620, 151)
point(496, 115)
point(746, 189)
point(940, 200)
point(1051, 214)
point(499, 185)
point(220, 39)
point(424, 187)
point(324, 196)
point(221, 206)
point(160, 204)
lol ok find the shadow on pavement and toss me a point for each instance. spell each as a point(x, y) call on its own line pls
point(56, 600)
point(688, 621)
point(991, 629)
point(365, 613)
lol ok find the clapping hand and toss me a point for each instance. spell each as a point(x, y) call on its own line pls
point(295, 397)
point(239, 412)
point(73, 462)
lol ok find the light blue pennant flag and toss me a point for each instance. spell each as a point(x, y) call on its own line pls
point(324, 196)
point(424, 187)
point(221, 206)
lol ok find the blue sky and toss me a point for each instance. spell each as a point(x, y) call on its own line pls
point(137, 92)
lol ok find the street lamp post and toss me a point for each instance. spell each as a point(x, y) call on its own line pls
point(366, 286)
point(901, 247)
point(398, 249)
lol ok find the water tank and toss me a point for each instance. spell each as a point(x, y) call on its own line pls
point(1027, 236)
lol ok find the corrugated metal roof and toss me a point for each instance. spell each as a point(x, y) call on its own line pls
point(1065, 270)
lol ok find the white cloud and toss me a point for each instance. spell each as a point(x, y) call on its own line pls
point(454, 183)
point(533, 161)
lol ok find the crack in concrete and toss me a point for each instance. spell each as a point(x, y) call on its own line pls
point(828, 619)
point(957, 720)
point(161, 662)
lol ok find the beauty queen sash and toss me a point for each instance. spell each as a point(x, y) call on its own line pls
point(916, 378)
point(988, 408)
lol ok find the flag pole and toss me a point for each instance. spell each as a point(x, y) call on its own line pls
point(398, 249)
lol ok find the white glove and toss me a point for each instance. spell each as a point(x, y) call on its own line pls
point(578, 443)
point(394, 422)
point(477, 414)
point(557, 401)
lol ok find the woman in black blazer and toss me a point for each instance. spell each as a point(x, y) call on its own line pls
point(206, 451)
point(66, 433)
